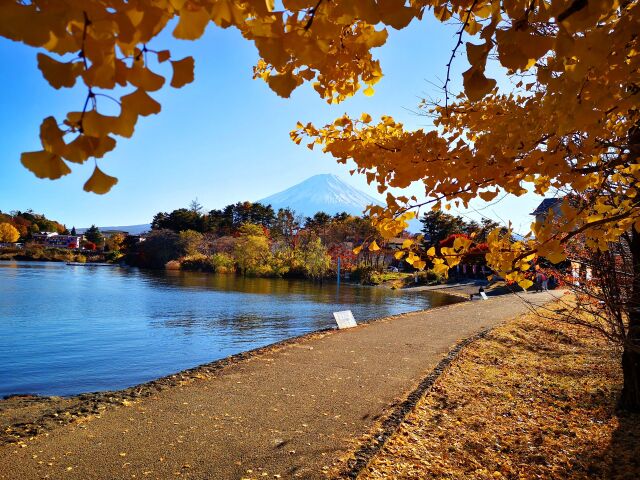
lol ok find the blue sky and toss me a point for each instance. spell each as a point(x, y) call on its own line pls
point(222, 139)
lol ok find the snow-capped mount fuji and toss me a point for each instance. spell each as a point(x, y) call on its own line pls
point(321, 193)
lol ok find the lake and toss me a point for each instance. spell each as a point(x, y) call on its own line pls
point(72, 329)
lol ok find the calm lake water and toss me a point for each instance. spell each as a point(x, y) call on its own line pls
point(71, 329)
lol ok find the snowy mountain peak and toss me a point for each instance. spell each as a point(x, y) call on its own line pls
point(321, 193)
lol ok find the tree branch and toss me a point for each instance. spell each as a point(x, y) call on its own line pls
point(313, 12)
point(453, 55)
point(575, 7)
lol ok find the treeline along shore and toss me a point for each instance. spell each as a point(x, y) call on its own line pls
point(243, 238)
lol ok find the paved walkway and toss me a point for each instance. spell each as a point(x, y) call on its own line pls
point(290, 412)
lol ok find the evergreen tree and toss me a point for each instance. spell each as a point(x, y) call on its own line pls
point(437, 226)
point(94, 235)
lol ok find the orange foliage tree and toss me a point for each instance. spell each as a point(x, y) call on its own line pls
point(572, 119)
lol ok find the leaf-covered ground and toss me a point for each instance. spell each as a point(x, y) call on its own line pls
point(535, 399)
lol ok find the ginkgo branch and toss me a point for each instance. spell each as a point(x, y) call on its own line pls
point(453, 55)
point(109, 97)
point(575, 7)
point(312, 15)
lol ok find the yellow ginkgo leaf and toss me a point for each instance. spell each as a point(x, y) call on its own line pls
point(51, 136)
point(420, 264)
point(407, 243)
point(94, 124)
point(441, 269)
point(59, 74)
point(476, 85)
point(140, 103)
point(143, 78)
point(477, 54)
point(225, 12)
point(525, 284)
point(373, 247)
point(78, 150)
point(365, 117)
point(85, 146)
point(555, 256)
point(192, 23)
point(101, 74)
point(182, 72)
point(177, 4)
point(488, 196)
point(483, 11)
point(99, 182)
point(163, 55)
point(284, 84)
point(125, 123)
point(369, 91)
point(398, 255)
point(395, 14)
point(442, 13)
point(45, 164)
point(461, 244)
point(357, 250)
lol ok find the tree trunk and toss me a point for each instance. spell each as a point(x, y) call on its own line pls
point(630, 397)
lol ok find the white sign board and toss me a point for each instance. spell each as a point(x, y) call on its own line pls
point(345, 319)
point(484, 296)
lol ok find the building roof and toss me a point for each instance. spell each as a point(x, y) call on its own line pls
point(546, 204)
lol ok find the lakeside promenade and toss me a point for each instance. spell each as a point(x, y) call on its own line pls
point(290, 412)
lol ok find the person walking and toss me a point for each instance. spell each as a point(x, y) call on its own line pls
point(537, 282)
point(544, 280)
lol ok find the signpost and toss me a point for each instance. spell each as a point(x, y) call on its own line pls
point(345, 319)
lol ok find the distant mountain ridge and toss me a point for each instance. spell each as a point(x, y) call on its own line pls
point(321, 193)
point(130, 229)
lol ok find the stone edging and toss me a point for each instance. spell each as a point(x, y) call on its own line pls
point(363, 456)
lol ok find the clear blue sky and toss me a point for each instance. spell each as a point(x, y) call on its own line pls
point(222, 139)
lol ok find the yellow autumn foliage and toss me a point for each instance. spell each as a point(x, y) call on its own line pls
point(8, 233)
point(572, 121)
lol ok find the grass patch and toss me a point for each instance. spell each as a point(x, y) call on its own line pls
point(535, 399)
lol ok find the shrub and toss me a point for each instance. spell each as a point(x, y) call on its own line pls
point(382, 277)
point(34, 251)
point(172, 265)
point(363, 274)
point(218, 262)
point(197, 262)
point(223, 263)
point(430, 277)
point(114, 256)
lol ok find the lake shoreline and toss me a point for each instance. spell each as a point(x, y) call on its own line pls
point(57, 256)
point(25, 415)
point(116, 327)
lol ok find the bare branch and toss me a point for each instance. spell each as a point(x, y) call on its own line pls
point(453, 55)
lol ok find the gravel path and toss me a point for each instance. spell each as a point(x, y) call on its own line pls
point(291, 411)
